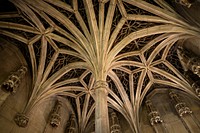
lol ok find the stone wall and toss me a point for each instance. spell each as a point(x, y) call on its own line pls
point(11, 59)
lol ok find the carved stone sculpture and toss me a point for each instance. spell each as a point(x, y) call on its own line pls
point(21, 120)
point(13, 81)
point(179, 105)
point(55, 117)
point(115, 126)
point(154, 115)
point(186, 3)
point(71, 124)
point(195, 85)
point(189, 61)
point(197, 89)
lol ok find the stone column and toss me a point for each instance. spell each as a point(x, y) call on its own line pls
point(115, 126)
point(71, 124)
point(10, 85)
point(101, 110)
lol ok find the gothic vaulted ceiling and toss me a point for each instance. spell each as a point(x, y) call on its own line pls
point(71, 44)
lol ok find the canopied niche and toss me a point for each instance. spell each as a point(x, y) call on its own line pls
point(177, 112)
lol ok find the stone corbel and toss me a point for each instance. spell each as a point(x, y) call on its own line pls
point(21, 120)
point(115, 126)
point(179, 105)
point(55, 117)
point(71, 124)
point(154, 115)
point(13, 81)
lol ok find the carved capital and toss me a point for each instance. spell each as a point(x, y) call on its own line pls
point(154, 115)
point(21, 120)
point(101, 85)
point(55, 117)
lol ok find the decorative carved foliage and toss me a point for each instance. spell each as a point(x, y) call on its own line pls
point(154, 115)
point(13, 81)
point(21, 120)
point(179, 105)
point(55, 117)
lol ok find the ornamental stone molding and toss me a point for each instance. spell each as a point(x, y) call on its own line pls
point(101, 85)
point(13, 81)
point(55, 117)
point(21, 120)
point(153, 114)
point(179, 105)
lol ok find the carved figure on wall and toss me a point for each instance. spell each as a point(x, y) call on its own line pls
point(55, 117)
point(194, 84)
point(188, 60)
point(179, 105)
point(115, 126)
point(13, 81)
point(154, 115)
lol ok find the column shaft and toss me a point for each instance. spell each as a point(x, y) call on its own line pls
point(101, 110)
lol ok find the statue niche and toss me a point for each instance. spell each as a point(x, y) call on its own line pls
point(189, 61)
point(154, 116)
point(179, 105)
point(55, 117)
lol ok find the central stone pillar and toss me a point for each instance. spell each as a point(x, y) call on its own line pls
point(101, 110)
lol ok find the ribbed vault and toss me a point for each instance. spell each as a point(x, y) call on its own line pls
point(71, 44)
